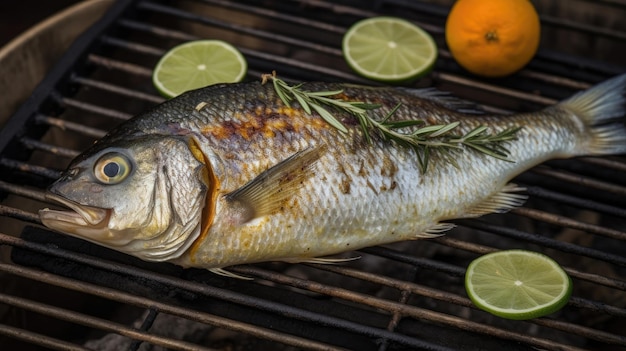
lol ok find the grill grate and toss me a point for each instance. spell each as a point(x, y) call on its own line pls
point(397, 297)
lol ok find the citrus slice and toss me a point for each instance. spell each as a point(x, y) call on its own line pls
point(517, 284)
point(389, 49)
point(196, 64)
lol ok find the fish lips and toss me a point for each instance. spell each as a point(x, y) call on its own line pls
point(81, 220)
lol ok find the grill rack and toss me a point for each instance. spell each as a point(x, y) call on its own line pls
point(321, 310)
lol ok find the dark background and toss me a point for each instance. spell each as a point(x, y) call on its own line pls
point(18, 16)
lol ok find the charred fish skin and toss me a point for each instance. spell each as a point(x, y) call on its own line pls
point(272, 182)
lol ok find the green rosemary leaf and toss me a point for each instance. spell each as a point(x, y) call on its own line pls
point(281, 94)
point(328, 117)
point(331, 102)
point(296, 87)
point(424, 140)
point(365, 126)
point(303, 103)
point(507, 134)
point(451, 160)
point(392, 112)
point(428, 130)
point(474, 132)
point(366, 106)
point(422, 158)
point(403, 124)
point(324, 93)
point(445, 129)
point(489, 152)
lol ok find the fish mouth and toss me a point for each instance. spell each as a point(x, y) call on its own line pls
point(80, 220)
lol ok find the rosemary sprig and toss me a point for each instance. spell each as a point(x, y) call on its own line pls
point(421, 139)
point(315, 100)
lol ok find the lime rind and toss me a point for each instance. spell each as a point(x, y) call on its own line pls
point(197, 64)
point(546, 286)
point(389, 49)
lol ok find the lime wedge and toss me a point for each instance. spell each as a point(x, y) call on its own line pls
point(196, 64)
point(389, 49)
point(517, 284)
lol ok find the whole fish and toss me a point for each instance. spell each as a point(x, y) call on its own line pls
point(231, 174)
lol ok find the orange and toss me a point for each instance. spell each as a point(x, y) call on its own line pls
point(493, 38)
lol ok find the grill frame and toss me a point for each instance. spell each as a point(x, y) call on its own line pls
point(59, 88)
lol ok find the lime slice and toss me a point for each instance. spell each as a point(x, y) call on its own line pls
point(517, 284)
point(389, 49)
point(196, 64)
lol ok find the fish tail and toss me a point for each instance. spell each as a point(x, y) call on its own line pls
point(601, 109)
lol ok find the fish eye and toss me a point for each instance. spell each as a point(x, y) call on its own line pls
point(112, 168)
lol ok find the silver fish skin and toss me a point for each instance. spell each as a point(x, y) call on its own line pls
point(228, 174)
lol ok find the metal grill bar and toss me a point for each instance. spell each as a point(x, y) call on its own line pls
point(29, 168)
point(98, 323)
point(70, 126)
point(581, 180)
point(331, 291)
point(277, 16)
point(120, 65)
point(409, 311)
point(222, 294)
point(87, 107)
point(269, 36)
point(39, 339)
point(543, 193)
point(16, 213)
point(545, 242)
point(417, 289)
point(567, 222)
point(462, 301)
point(146, 303)
point(51, 149)
point(600, 32)
point(459, 272)
point(481, 249)
point(48, 85)
point(118, 90)
point(608, 163)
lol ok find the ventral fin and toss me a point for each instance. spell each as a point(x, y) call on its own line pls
point(435, 231)
point(229, 274)
point(321, 260)
point(270, 190)
point(503, 201)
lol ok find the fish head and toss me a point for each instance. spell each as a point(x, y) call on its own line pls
point(144, 197)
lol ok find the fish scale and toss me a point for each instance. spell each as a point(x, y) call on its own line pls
point(267, 181)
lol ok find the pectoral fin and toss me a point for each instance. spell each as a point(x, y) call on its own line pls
point(270, 190)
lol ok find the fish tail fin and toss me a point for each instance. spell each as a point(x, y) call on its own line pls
point(601, 109)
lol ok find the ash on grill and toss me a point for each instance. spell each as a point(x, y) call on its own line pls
point(402, 296)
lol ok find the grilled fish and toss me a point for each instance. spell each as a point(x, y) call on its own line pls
point(230, 174)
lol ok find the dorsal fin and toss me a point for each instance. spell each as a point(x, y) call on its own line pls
point(445, 99)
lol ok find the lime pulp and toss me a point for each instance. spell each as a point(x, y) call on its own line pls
point(389, 49)
point(517, 284)
point(197, 64)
